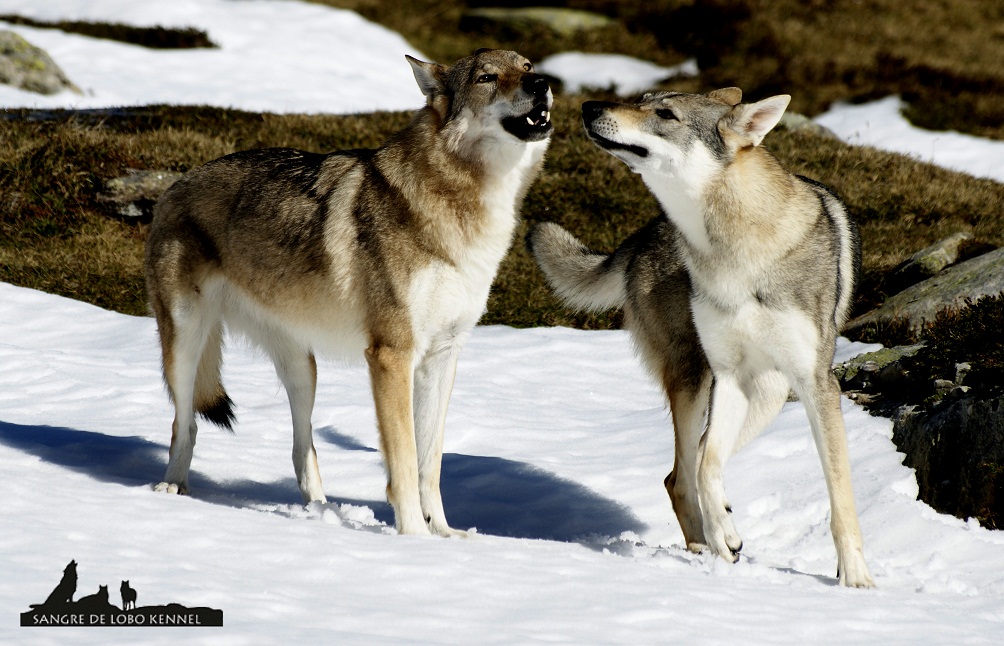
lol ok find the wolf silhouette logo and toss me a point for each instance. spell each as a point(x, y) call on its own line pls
point(64, 590)
point(128, 596)
point(59, 608)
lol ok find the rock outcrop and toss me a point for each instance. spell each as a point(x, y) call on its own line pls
point(27, 67)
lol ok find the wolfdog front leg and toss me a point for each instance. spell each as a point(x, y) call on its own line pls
point(434, 378)
point(391, 376)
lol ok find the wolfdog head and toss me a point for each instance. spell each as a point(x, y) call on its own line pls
point(491, 94)
point(684, 136)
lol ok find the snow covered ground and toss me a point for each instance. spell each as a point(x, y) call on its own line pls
point(881, 124)
point(273, 56)
point(626, 75)
point(556, 446)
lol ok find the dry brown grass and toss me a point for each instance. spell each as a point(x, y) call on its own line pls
point(54, 235)
point(944, 55)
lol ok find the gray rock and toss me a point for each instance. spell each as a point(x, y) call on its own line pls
point(919, 304)
point(961, 370)
point(957, 450)
point(930, 260)
point(881, 370)
point(562, 21)
point(795, 122)
point(133, 195)
point(27, 67)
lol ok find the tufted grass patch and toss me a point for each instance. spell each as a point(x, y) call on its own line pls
point(53, 165)
point(55, 236)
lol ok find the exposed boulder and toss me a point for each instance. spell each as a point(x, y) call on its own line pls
point(521, 20)
point(132, 196)
point(930, 260)
point(950, 435)
point(876, 378)
point(957, 451)
point(27, 67)
point(919, 304)
point(946, 399)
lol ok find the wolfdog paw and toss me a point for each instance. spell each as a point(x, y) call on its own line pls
point(441, 528)
point(723, 539)
point(171, 487)
point(853, 573)
point(413, 528)
point(449, 532)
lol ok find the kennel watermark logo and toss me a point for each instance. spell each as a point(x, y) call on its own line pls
point(59, 608)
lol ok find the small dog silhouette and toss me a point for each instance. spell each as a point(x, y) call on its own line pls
point(97, 602)
point(67, 586)
point(128, 596)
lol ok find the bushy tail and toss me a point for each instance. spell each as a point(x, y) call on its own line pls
point(211, 401)
point(581, 278)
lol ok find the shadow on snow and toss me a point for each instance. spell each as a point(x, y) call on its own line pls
point(500, 497)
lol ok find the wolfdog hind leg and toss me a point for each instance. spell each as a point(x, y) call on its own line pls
point(297, 370)
point(767, 394)
point(191, 324)
point(434, 378)
point(688, 405)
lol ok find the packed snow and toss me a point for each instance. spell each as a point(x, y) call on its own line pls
point(626, 75)
point(273, 56)
point(556, 446)
point(881, 124)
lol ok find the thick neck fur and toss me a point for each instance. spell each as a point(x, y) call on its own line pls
point(463, 185)
point(747, 213)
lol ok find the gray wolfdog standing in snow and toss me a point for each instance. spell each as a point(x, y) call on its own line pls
point(387, 253)
point(732, 299)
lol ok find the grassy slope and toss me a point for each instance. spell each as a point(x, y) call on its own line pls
point(53, 235)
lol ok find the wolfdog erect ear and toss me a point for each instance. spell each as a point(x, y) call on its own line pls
point(754, 120)
point(431, 77)
point(728, 95)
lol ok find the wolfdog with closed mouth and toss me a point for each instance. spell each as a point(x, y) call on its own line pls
point(733, 298)
point(387, 253)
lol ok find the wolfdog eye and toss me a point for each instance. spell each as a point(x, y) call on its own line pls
point(487, 78)
point(666, 114)
point(527, 67)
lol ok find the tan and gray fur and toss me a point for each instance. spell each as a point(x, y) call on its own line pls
point(733, 298)
point(385, 253)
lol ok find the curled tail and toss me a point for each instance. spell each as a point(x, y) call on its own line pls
point(581, 278)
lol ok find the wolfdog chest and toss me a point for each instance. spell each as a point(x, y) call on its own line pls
point(452, 293)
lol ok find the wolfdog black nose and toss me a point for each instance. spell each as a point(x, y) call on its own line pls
point(534, 84)
point(591, 110)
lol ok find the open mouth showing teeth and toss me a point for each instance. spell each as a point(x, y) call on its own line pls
point(607, 144)
point(532, 126)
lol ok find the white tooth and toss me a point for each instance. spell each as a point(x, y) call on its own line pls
point(529, 121)
point(547, 115)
